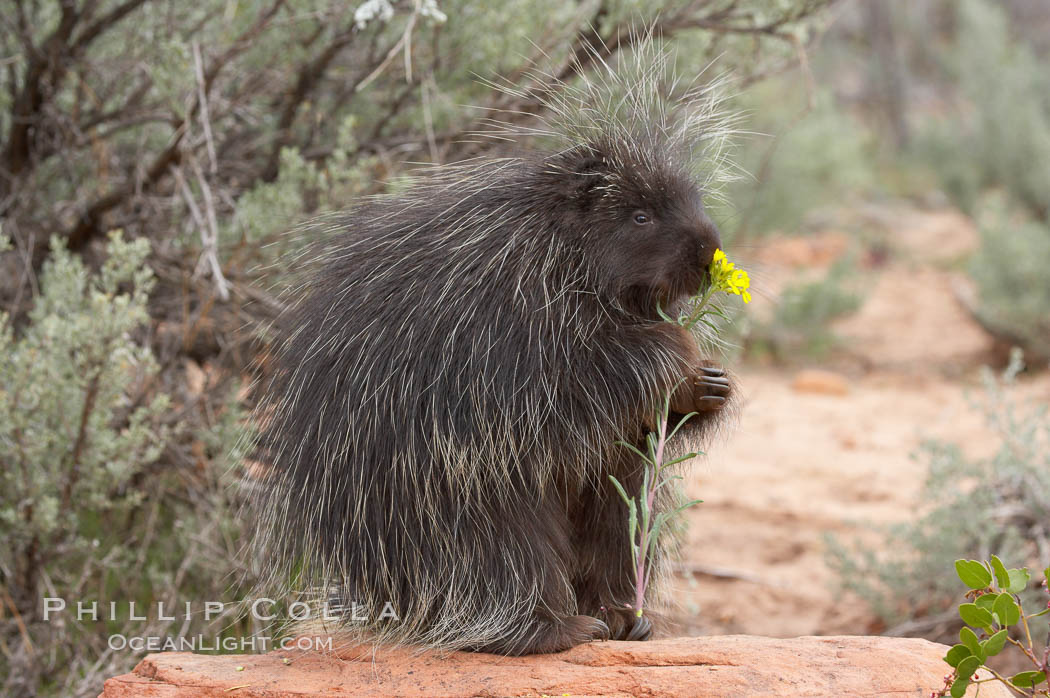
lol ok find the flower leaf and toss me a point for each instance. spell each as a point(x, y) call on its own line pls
point(1018, 581)
point(994, 645)
point(969, 638)
point(1028, 679)
point(620, 489)
point(975, 616)
point(1002, 577)
point(681, 423)
point(1007, 609)
point(986, 601)
point(956, 654)
point(967, 666)
point(973, 574)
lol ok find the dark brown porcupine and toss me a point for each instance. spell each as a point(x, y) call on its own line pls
point(454, 376)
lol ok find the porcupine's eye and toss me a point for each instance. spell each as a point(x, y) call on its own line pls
point(642, 218)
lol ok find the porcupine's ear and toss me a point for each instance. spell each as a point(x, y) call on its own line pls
point(589, 168)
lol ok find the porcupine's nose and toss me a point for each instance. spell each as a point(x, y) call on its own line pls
point(708, 239)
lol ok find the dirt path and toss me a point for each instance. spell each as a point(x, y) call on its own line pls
point(801, 463)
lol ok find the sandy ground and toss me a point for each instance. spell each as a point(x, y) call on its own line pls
point(802, 463)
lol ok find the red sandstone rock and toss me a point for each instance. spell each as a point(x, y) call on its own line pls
point(735, 666)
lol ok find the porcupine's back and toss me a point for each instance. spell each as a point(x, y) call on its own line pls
point(424, 369)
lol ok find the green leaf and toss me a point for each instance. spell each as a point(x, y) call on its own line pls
point(956, 654)
point(666, 481)
point(973, 574)
point(682, 507)
point(620, 489)
point(986, 601)
point(1002, 577)
point(973, 615)
point(654, 532)
point(1007, 609)
point(681, 423)
point(678, 460)
point(959, 687)
point(994, 645)
point(969, 638)
point(643, 500)
point(650, 441)
point(1027, 679)
point(967, 666)
point(710, 324)
point(633, 448)
point(1018, 581)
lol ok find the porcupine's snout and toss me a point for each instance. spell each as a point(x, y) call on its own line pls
point(703, 239)
point(708, 240)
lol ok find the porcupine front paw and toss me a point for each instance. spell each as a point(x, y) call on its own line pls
point(706, 391)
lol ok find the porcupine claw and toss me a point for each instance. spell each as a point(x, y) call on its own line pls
point(641, 630)
point(627, 625)
point(715, 383)
point(705, 392)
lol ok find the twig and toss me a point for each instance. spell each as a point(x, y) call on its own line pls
point(922, 625)
point(210, 234)
point(88, 226)
point(404, 41)
point(78, 446)
point(202, 98)
point(408, 41)
point(723, 573)
point(18, 620)
point(187, 195)
point(428, 119)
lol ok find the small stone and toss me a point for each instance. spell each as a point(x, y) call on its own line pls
point(820, 381)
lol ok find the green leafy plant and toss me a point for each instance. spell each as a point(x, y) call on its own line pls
point(992, 609)
point(645, 523)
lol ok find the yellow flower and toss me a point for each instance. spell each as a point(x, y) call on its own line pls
point(727, 278)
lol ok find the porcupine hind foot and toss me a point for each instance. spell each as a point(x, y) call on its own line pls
point(626, 624)
point(604, 582)
point(605, 586)
point(543, 636)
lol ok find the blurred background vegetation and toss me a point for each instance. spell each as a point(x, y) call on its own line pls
point(152, 153)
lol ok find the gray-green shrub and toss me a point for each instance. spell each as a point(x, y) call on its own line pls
point(85, 512)
point(973, 508)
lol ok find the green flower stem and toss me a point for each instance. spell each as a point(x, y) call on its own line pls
point(698, 311)
point(641, 573)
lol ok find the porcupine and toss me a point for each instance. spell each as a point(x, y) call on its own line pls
point(455, 375)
